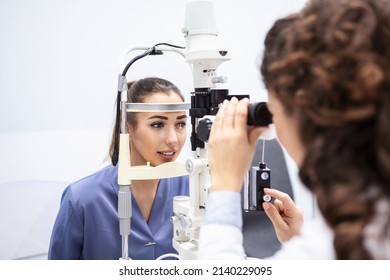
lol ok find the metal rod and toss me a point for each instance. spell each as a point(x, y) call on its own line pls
point(262, 154)
point(125, 247)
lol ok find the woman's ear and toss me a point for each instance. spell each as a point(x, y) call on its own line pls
point(130, 130)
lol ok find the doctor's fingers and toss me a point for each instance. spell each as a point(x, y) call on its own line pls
point(292, 215)
point(224, 122)
point(241, 114)
point(287, 201)
point(279, 206)
point(275, 216)
point(285, 228)
point(216, 128)
point(235, 121)
point(230, 111)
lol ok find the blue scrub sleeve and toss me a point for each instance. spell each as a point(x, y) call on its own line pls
point(67, 236)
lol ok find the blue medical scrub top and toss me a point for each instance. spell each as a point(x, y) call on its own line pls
point(87, 225)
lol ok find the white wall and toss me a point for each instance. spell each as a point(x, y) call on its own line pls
point(59, 63)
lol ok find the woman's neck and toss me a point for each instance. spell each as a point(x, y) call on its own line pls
point(144, 192)
point(144, 185)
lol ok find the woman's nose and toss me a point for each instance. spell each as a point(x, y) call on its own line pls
point(171, 137)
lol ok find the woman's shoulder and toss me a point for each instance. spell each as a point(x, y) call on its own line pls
point(95, 184)
point(107, 172)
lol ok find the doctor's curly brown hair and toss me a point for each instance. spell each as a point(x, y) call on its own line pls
point(329, 65)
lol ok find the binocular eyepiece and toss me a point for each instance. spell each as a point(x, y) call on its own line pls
point(258, 115)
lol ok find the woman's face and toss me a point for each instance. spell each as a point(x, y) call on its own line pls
point(286, 129)
point(159, 136)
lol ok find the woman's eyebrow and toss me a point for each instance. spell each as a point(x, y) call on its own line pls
point(166, 118)
point(181, 117)
point(158, 117)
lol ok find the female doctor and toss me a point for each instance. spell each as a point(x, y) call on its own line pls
point(87, 225)
point(329, 94)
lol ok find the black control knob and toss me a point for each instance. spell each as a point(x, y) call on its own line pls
point(204, 127)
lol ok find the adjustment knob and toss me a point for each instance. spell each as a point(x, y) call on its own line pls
point(204, 128)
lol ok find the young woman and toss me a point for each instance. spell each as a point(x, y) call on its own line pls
point(87, 225)
point(329, 94)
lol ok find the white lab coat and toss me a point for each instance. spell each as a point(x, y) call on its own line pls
point(225, 241)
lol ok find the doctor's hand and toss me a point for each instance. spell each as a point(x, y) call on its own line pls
point(231, 145)
point(285, 215)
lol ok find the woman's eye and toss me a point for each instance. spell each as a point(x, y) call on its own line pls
point(157, 125)
point(181, 125)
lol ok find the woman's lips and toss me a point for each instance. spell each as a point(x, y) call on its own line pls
point(167, 155)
